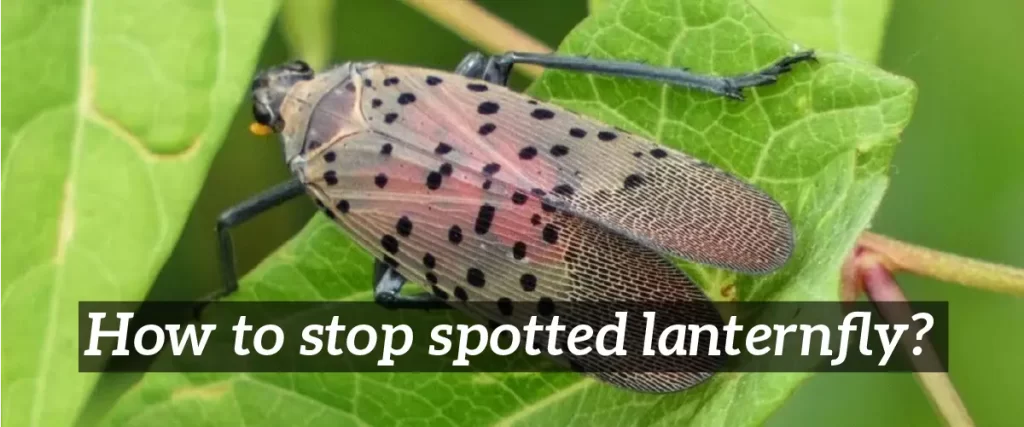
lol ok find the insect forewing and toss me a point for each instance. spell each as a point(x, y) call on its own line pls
point(485, 195)
point(665, 199)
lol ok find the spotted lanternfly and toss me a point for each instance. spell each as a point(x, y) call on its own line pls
point(483, 194)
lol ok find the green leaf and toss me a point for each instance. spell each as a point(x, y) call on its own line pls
point(308, 27)
point(820, 141)
point(853, 28)
point(113, 112)
point(594, 5)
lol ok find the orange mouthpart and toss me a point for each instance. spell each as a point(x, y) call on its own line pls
point(259, 129)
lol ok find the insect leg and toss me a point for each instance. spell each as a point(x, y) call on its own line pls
point(239, 214)
point(387, 290)
point(479, 66)
point(728, 86)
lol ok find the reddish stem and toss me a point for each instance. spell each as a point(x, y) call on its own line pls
point(865, 271)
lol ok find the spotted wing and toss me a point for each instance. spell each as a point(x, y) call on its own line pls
point(454, 230)
point(649, 193)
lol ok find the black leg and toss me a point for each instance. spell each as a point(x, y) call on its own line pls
point(472, 65)
point(496, 69)
point(479, 66)
point(239, 214)
point(387, 290)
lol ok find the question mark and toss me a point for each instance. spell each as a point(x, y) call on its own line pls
point(928, 322)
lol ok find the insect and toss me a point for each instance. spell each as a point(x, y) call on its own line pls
point(479, 193)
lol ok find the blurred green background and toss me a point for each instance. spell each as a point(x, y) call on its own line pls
point(957, 184)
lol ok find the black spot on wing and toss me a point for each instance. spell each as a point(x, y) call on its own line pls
point(460, 293)
point(389, 243)
point(455, 234)
point(487, 108)
point(433, 180)
point(542, 114)
point(484, 217)
point(505, 306)
point(404, 226)
point(491, 168)
point(550, 234)
point(633, 181)
point(406, 98)
point(528, 282)
point(331, 177)
point(519, 250)
point(475, 277)
point(545, 306)
point(563, 189)
point(442, 149)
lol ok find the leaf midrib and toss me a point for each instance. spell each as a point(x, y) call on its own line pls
point(64, 234)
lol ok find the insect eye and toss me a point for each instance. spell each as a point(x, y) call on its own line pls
point(300, 66)
point(257, 83)
point(262, 115)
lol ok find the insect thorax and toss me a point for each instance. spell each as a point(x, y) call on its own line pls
point(320, 111)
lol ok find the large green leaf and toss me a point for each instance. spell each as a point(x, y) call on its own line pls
point(113, 112)
point(820, 142)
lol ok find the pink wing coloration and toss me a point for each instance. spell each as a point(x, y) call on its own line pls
point(665, 199)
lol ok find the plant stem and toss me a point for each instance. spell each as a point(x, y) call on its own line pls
point(481, 28)
point(900, 256)
point(873, 276)
point(484, 29)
